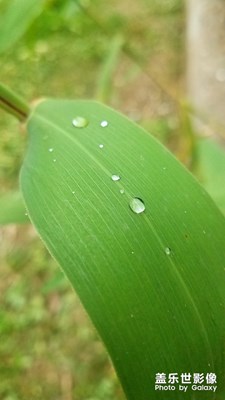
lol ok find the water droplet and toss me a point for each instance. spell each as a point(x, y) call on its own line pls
point(132, 252)
point(137, 205)
point(54, 160)
point(80, 122)
point(115, 178)
point(122, 191)
point(164, 168)
point(204, 232)
point(132, 315)
point(104, 124)
point(26, 214)
point(185, 211)
point(73, 191)
point(101, 146)
point(50, 150)
point(167, 251)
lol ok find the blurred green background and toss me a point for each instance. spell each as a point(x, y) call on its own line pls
point(130, 55)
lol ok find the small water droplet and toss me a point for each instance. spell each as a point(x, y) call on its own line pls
point(185, 211)
point(167, 251)
point(26, 214)
point(54, 160)
point(73, 191)
point(132, 252)
point(80, 122)
point(104, 124)
point(50, 150)
point(115, 178)
point(132, 315)
point(122, 191)
point(204, 232)
point(101, 146)
point(164, 168)
point(137, 205)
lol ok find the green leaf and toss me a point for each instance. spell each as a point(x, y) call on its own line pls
point(12, 209)
point(212, 170)
point(153, 283)
point(18, 17)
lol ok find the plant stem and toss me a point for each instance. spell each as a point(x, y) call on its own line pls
point(13, 104)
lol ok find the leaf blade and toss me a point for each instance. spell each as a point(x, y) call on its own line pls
point(108, 250)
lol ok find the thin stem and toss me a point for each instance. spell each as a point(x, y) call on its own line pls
point(13, 104)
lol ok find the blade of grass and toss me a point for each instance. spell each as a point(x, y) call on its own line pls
point(152, 282)
point(104, 84)
point(17, 19)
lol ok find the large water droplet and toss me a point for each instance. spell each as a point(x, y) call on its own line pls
point(115, 178)
point(51, 149)
point(167, 251)
point(104, 124)
point(80, 122)
point(137, 205)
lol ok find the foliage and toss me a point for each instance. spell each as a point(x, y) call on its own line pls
point(79, 180)
point(65, 48)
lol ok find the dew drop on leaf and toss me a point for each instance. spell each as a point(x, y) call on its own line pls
point(50, 150)
point(101, 146)
point(104, 124)
point(167, 251)
point(80, 122)
point(54, 160)
point(137, 205)
point(115, 178)
point(122, 191)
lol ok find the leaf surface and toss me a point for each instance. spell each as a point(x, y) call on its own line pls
point(153, 283)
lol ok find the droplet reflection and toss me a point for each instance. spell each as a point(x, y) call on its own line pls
point(137, 205)
point(80, 122)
